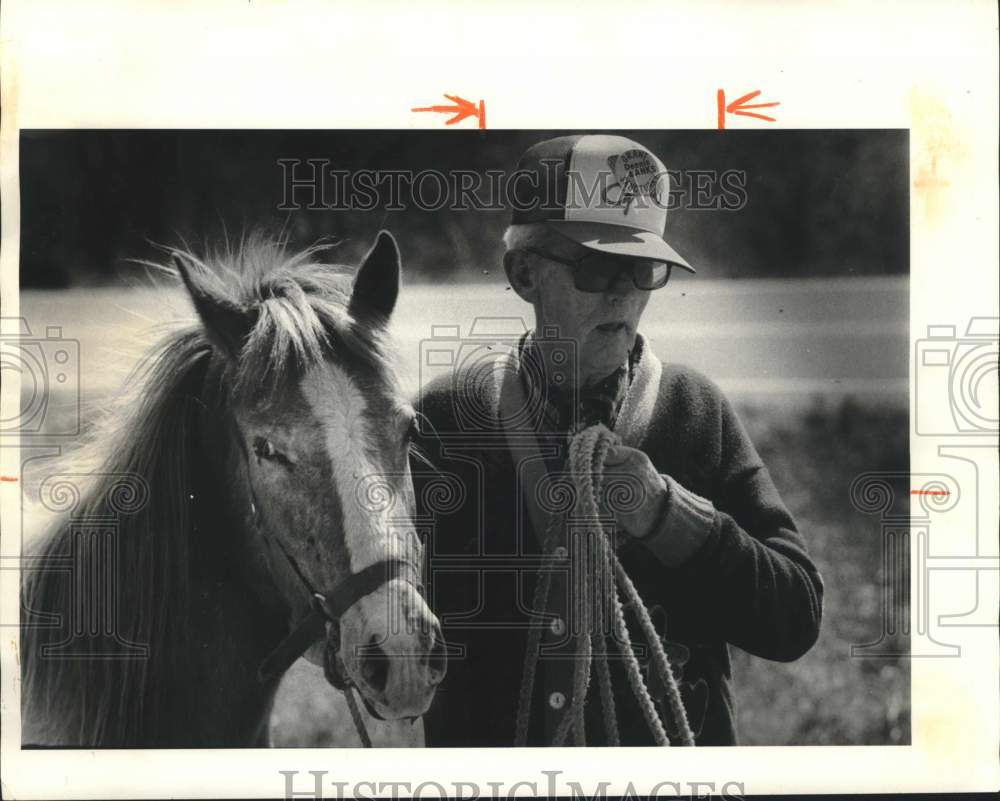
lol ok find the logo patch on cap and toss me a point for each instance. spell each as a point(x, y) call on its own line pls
point(616, 194)
point(636, 176)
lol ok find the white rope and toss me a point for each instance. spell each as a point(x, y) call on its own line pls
point(359, 722)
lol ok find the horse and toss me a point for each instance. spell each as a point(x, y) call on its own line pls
point(254, 502)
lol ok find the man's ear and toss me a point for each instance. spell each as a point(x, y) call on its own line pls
point(226, 324)
point(522, 275)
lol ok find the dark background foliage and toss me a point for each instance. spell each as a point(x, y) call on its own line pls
point(819, 203)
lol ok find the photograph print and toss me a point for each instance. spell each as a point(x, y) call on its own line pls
point(344, 438)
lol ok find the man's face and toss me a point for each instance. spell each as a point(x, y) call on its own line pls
point(604, 324)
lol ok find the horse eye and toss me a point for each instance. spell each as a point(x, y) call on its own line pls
point(414, 429)
point(264, 449)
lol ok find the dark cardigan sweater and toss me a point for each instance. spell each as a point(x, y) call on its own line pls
point(752, 583)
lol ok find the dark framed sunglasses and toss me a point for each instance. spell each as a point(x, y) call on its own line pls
point(598, 272)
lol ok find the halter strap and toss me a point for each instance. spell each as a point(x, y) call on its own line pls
point(368, 580)
point(330, 608)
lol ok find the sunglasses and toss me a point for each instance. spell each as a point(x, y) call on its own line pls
point(598, 272)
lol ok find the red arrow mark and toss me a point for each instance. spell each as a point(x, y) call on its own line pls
point(462, 109)
point(740, 106)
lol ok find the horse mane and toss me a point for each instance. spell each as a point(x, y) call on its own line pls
point(147, 450)
point(91, 699)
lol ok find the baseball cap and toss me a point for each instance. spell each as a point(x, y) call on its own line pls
point(604, 192)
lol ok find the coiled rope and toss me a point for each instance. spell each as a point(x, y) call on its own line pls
point(595, 593)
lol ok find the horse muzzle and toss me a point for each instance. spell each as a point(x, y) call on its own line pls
point(389, 645)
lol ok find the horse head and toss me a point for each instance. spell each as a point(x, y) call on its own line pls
point(319, 479)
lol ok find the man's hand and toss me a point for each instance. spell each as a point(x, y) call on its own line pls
point(634, 466)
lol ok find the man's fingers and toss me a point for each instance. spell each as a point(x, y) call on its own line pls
point(617, 454)
point(614, 455)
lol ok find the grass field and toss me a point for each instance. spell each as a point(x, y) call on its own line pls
point(822, 393)
point(828, 697)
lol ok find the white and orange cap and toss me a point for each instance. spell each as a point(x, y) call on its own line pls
point(607, 193)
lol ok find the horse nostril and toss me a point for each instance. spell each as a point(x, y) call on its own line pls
point(437, 661)
point(374, 666)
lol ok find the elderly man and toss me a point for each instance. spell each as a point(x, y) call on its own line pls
point(706, 539)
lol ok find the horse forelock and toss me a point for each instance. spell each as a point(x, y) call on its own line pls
point(297, 313)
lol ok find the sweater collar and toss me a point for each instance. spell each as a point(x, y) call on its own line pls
point(565, 408)
point(509, 397)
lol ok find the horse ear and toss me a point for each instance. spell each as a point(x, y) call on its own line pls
point(376, 285)
point(226, 323)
